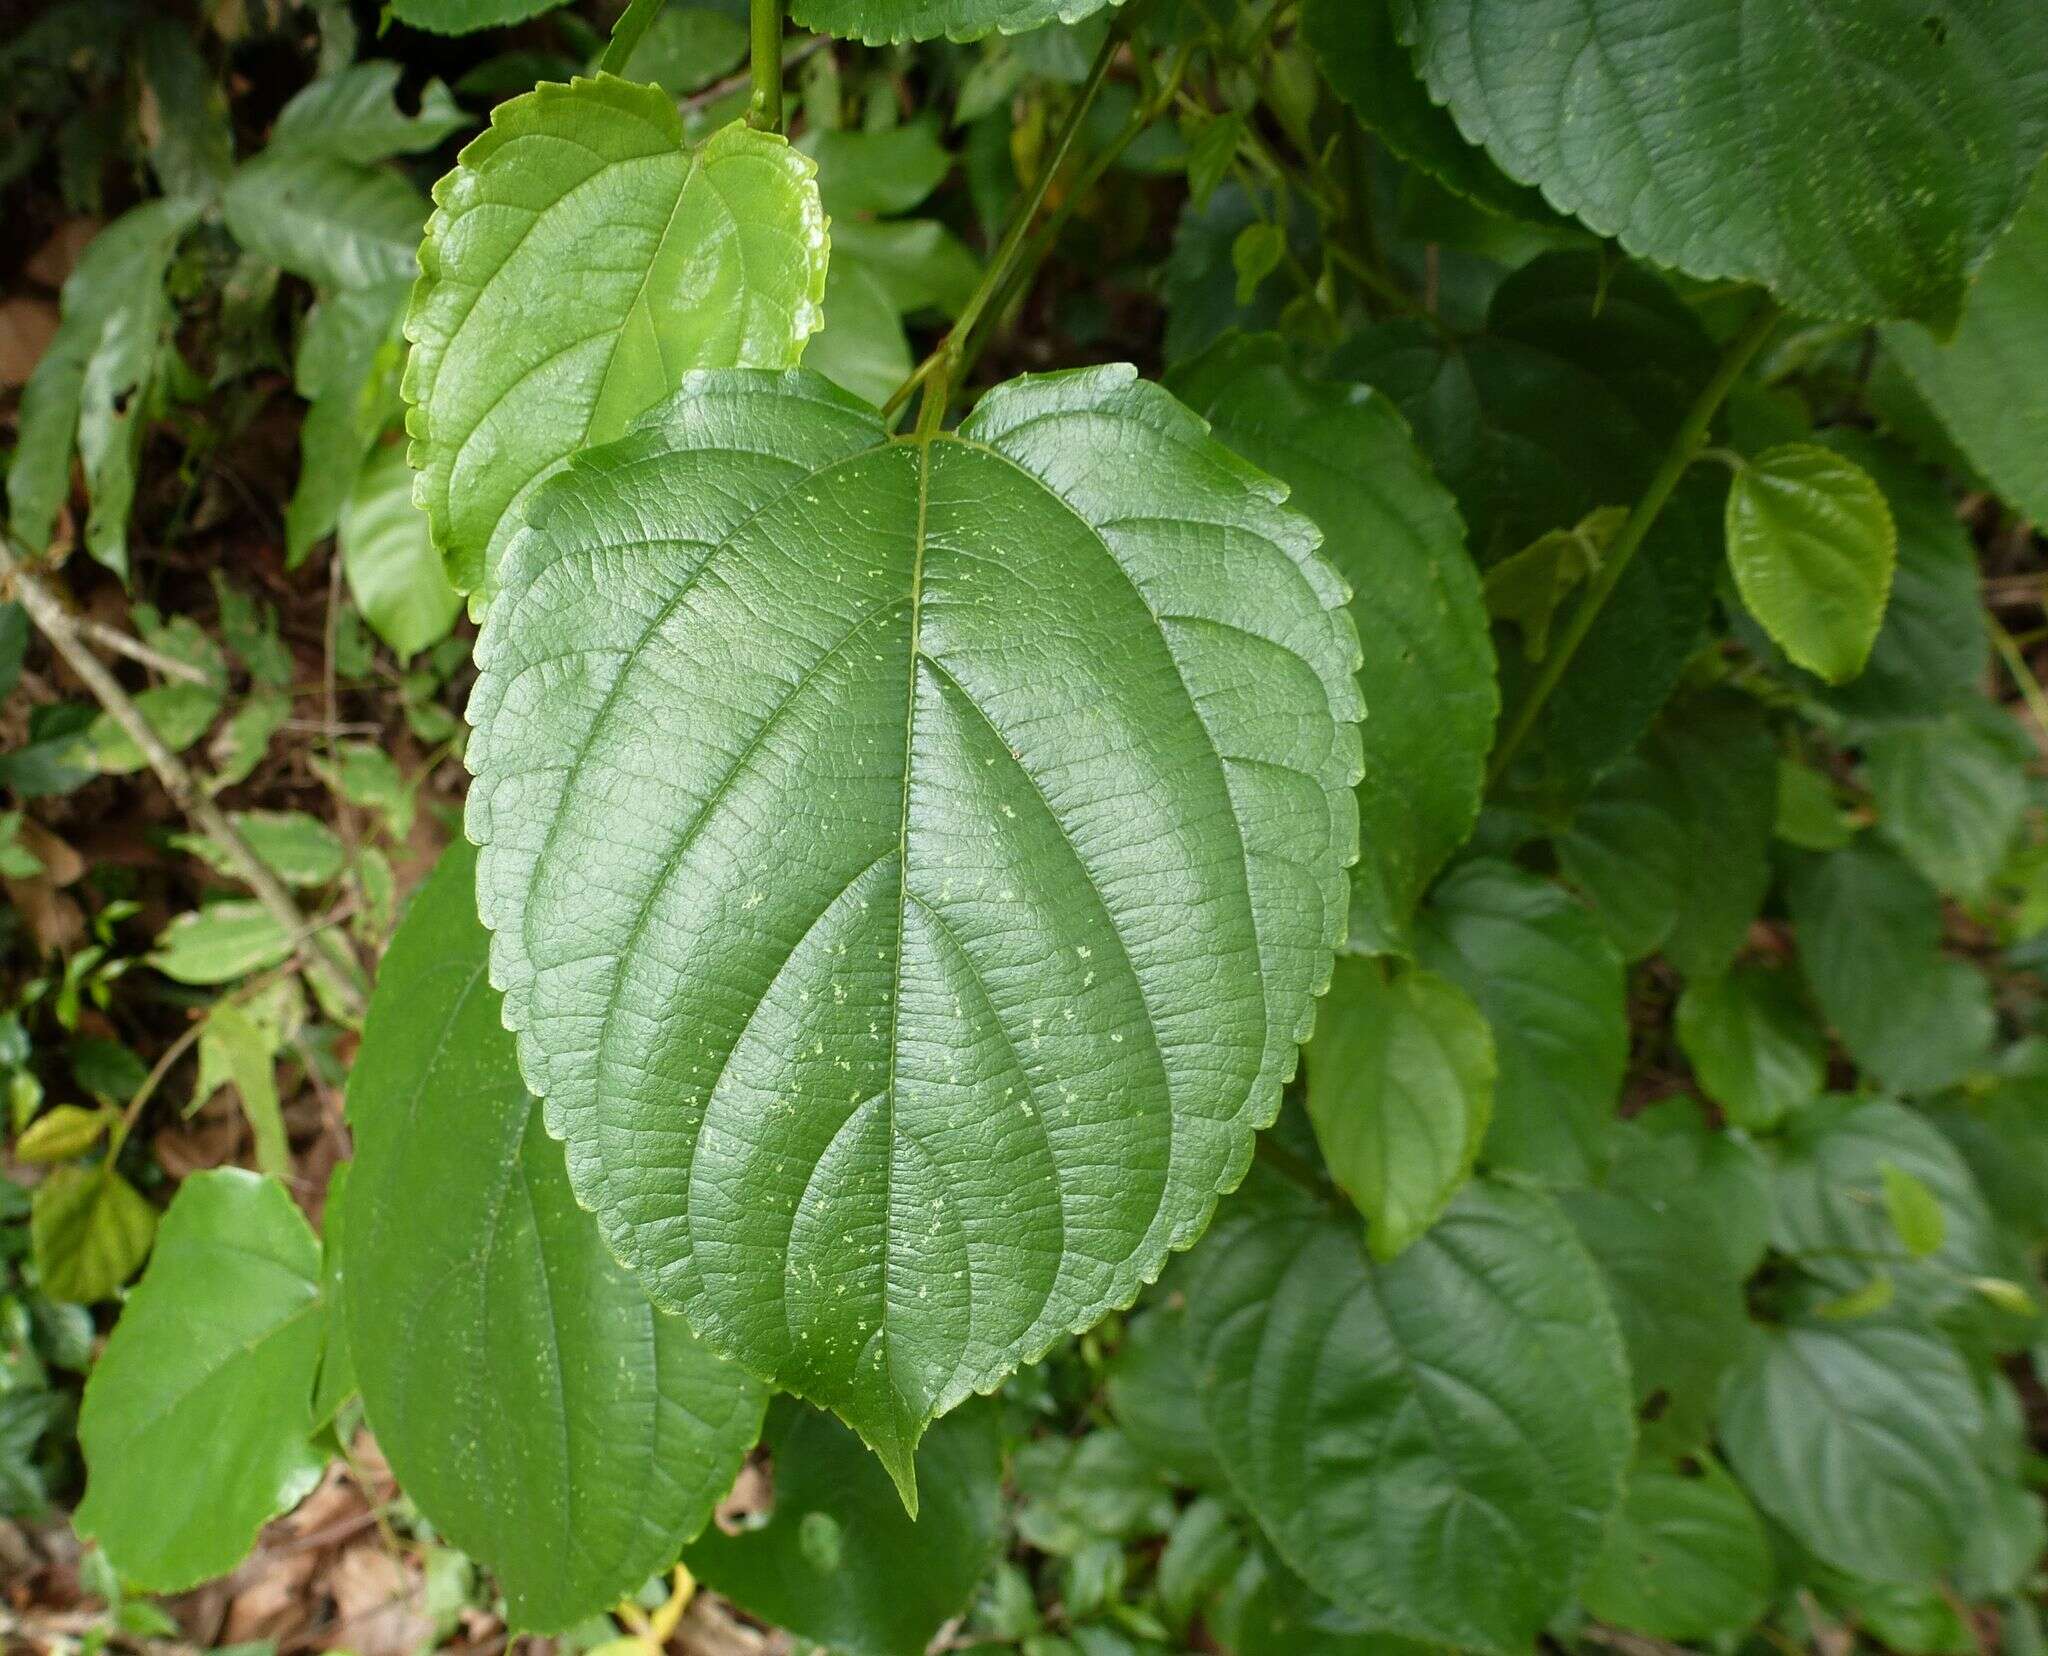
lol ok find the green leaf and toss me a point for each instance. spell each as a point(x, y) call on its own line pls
point(887, 172)
point(455, 17)
point(1951, 793)
point(221, 942)
point(862, 347)
point(1989, 382)
point(394, 573)
point(1812, 545)
point(300, 850)
point(1435, 1443)
point(1752, 1044)
point(686, 48)
point(1861, 1439)
point(1551, 985)
point(889, 746)
point(543, 1415)
point(62, 1133)
point(1393, 534)
point(878, 22)
point(1694, 131)
point(1364, 60)
point(1155, 1398)
point(93, 381)
point(1721, 763)
point(581, 261)
point(248, 1053)
point(192, 149)
point(197, 1415)
point(1809, 814)
point(337, 223)
point(368, 776)
point(347, 370)
point(1686, 1559)
point(337, 1381)
point(839, 1562)
point(1859, 1186)
point(354, 115)
point(1526, 587)
point(89, 1228)
point(1628, 849)
point(1870, 946)
point(178, 714)
point(1400, 1088)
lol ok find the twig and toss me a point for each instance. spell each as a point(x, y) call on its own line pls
point(112, 638)
point(57, 624)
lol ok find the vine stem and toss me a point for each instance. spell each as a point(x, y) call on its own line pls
point(1686, 444)
point(56, 623)
point(935, 374)
point(765, 61)
point(627, 34)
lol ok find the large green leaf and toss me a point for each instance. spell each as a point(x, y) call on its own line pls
point(1686, 1558)
point(839, 1562)
point(1400, 1088)
point(1870, 946)
point(1435, 1443)
point(880, 21)
point(1862, 1439)
point(1551, 985)
point(974, 819)
point(539, 1410)
point(1393, 533)
point(197, 1417)
point(92, 383)
point(1989, 383)
point(581, 260)
point(1858, 156)
point(1812, 545)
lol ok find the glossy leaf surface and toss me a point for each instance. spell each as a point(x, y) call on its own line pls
point(580, 261)
point(880, 21)
point(210, 1371)
point(1434, 1443)
point(544, 1416)
point(1800, 152)
point(974, 820)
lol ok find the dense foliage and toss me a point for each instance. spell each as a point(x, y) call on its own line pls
point(1373, 984)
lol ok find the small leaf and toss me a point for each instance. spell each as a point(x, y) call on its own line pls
point(456, 17)
point(247, 1054)
point(580, 262)
point(541, 1413)
point(1874, 1296)
point(1951, 793)
point(1481, 1374)
point(1753, 1045)
point(1812, 545)
point(1255, 255)
point(354, 115)
point(347, 368)
point(1915, 1214)
point(394, 574)
point(880, 22)
point(930, 974)
point(209, 1371)
point(1809, 815)
point(90, 1228)
point(299, 849)
point(1526, 587)
point(1687, 1557)
point(177, 714)
point(1400, 1088)
point(220, 943)
point(839, 1563)
point(884, 173)
point(62, 1133)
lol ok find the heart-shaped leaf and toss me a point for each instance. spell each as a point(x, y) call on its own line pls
point(580, 261)
point(912, 863)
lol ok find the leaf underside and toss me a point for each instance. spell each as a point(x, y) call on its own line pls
point(911, 863)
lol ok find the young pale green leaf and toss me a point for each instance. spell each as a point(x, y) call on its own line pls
point(1393, 533)
point(840, 1562)
point(61, 1134)
point(880, 22)
point(891, 751)
point(209, 1372)
point(1752, 1044)
point(89, 1229)
point(92, 383)
point(1952, 792)
point(1400, 1088)
point(1989, 383)
point(1795, 150)
point(1870, 947)
point(1551, 985)
point(1363, 59)
point(581, 260)
point(1812, 545)
point(221, 942)
point(1687, 1557)
point(394, 574)
point(1863, 1185)
point(543, 1415)
point(1481, 1374)
point(300, 850)
point(1862, 1438)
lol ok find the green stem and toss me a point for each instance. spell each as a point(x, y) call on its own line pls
point(937, 370)
point(765, 60)
point(627, 34)
point(1684, 449)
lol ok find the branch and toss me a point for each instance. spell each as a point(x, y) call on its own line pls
point(1685, 447)
point(63, 630)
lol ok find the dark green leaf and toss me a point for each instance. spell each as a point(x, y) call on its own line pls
point(881, 21)
point(1952, 792)
point(1753, 1044)
point(1686, 1558)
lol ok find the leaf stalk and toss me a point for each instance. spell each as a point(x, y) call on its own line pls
point(765, 60)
